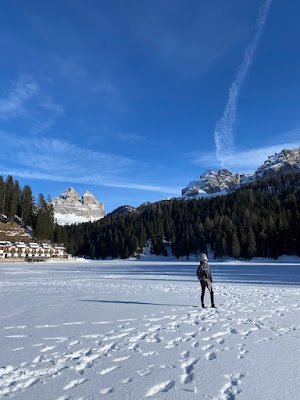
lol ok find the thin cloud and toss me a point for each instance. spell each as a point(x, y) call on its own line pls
point(49, 104)
point(24, 88)
point(150, 188)
point(223, 135)
point(242, 161)
point(93, 180)
point(26, 99)
point(69, 163)
point(60, 156)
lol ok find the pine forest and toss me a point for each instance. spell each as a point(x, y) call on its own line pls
point(262, 219)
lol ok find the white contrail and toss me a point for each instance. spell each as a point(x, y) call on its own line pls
point(223, 134)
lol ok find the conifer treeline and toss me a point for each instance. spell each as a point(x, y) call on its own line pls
point(261, 219)
point(15, 201)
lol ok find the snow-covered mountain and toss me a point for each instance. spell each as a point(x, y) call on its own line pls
point(71, 208)
point(213, 183)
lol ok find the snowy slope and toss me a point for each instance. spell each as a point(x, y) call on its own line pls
point(133, 330)
point(70, 219)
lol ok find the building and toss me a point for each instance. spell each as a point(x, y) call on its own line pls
point(32, 251)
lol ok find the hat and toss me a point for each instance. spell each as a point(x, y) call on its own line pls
point(204, 257)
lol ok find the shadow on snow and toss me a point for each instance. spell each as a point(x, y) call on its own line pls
point(138, 303)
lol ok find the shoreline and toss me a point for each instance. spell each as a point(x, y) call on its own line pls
point(24, 261)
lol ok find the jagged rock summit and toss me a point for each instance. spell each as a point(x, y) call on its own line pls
point(213, 183)
point(71, 208)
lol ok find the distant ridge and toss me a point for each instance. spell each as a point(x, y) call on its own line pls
point(213, 183)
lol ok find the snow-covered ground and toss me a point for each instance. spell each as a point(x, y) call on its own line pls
point(72, 219)
point(134, 329)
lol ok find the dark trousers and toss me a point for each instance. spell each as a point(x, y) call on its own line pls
point(207, 284)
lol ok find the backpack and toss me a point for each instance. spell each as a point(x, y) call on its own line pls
point(200, 271)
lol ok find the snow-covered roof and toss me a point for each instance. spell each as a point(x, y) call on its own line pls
point(46, 246)
point(34, 245)
point(20, 244)
point(59, 246)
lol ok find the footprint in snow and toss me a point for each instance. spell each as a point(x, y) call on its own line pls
point(119, 359)
point(154, 338)
point(128, 329)
point(188, 368)
point(242, 354)
point(211, 356)
point(16, 336)
point(140, 336)
point(149, 353)
point(107, 390)
point(74, 383)
point(18, 348)
point(231, 388)
point(207, 347)
point(160, 387)
point(144, 372)
point(185, 354)
point(109, 370)
point(16, 327)
point(126, 380)
point(48, 348)
point(74, 342)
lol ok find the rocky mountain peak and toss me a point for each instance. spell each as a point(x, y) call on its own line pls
point(286, 160)
point(70, 207)
point(208, 172)
point(70, 194)
point(87, 194)
point(212, 183)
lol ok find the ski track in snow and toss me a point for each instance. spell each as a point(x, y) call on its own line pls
point(156, 355)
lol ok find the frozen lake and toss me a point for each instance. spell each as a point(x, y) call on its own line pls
point(134, 329)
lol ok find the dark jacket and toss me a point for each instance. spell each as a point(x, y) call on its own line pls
point(203, 271)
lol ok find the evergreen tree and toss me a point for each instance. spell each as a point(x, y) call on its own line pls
point(44, 226)
point(235, 246)
point(2, 193)
point(250, 244)
point(27, 205)
point(10, 202)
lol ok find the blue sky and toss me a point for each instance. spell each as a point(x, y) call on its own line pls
point(133, 100)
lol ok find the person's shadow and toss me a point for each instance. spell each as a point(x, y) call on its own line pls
point(137, 303)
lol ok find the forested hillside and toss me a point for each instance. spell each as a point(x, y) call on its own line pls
point(261, 219)
point(15, 201)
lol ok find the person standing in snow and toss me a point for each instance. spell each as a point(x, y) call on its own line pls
point(205, 278)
